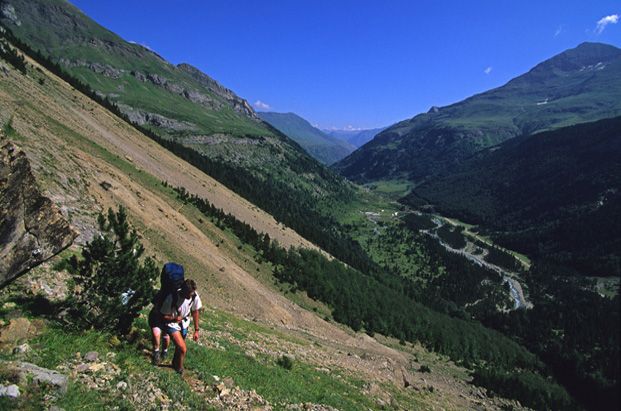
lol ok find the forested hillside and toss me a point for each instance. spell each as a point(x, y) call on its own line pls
point(553, 195)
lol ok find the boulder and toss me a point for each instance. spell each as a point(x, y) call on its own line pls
point(21, 349)
point(32, 228)
point(40, 375)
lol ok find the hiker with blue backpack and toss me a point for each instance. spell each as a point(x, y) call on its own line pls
point(169, 318)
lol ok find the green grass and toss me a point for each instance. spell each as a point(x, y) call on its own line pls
point(280, 386)
point(10, 131)
point(393, 189)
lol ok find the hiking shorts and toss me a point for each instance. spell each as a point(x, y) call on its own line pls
point(171, 330)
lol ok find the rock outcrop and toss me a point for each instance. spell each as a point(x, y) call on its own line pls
point(32, 229)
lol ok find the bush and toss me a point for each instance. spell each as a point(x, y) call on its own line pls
point(424, 368)
point(113, 286)
point(285, 362)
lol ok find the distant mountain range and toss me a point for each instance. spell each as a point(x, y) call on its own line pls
point(578, 85)
point(357, 138)
point(317, 143)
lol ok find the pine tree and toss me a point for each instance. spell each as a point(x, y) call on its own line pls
point(113, 286)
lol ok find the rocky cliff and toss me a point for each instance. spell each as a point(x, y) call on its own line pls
point(32, 229)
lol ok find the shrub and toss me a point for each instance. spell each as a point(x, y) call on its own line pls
point(113, 286)
point(285, 362)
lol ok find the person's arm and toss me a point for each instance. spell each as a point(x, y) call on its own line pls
point(195, 321)
point(171, 318)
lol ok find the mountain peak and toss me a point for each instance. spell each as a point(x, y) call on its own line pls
point(585, 55)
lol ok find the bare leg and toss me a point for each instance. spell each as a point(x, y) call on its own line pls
point(180, 350)
point(156, 332)
point(166, 342)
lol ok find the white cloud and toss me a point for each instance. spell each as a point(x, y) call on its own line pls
point(558, 31)
point(604, 21)
point(488, 70)
point(259, 105)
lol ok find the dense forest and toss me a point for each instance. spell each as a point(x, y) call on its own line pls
point(8, 53)
point(574, 330)
point(554, 195)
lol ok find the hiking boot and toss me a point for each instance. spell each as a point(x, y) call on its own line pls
point(155, 358)
point(179, 371)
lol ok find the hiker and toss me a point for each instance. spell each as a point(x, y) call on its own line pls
point(175, 314)
point(171, 283)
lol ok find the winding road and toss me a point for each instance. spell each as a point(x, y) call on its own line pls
point(515, 288)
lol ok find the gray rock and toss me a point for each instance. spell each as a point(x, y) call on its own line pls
point(237, 103)
point(41, 375)
point(32, 229)
point(157, 79)
point(91, 356)
point(11, 391)
point(81, 368)
point(139, 76)
point(143, 117)
point(121, 386)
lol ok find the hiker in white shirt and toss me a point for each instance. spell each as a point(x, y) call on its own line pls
point(176, 311)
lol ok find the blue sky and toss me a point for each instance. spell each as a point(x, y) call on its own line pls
point(362, 64)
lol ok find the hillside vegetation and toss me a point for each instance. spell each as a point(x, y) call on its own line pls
point(216, 130)
point(91, 155)
point(552, 195)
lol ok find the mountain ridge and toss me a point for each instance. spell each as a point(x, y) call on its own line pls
point(543, 98)
point(357, 138)
point(317, 143)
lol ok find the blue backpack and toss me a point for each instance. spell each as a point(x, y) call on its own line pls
point(171, 280)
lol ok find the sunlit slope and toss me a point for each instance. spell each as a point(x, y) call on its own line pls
point(317, 143)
